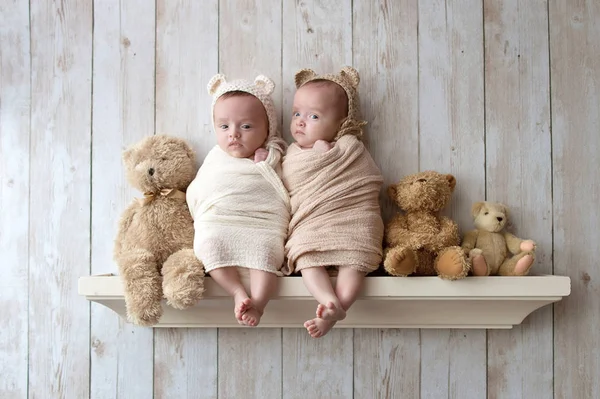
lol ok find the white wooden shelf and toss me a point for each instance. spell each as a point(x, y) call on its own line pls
point(386, 302)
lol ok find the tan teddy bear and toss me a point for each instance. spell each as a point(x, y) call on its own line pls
point(156, 233)
point(422, 242)
point(488, 246)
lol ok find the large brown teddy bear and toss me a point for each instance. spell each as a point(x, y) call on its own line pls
point(488, 246)
point(154, 244)
point(421, 242)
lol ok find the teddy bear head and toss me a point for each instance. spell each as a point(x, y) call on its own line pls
point(160, 162)
point(489, 216)
point(424, 191)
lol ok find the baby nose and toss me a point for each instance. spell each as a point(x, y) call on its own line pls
point(499, 218)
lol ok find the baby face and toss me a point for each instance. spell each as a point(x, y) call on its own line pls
point(241, 124)
point(319, 109)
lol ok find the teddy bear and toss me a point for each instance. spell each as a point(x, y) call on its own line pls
point(154, 244)
point(421, 242)
point(488, 246)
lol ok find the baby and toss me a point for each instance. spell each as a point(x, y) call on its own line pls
point(334, 187)
point(239, 204)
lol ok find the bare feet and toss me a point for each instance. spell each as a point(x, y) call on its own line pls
point(319, 327)
point(252, 317)
point(242, 304)
point(330, 312)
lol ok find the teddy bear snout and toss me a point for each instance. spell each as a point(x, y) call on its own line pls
point(151, 171)
point(499, 218)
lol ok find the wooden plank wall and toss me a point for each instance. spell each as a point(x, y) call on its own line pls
point(505, 95)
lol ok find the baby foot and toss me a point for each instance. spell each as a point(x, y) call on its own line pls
point(319, 327)
point(252, 317)
point(242, 305)
point(330, 312)
point(322, 146)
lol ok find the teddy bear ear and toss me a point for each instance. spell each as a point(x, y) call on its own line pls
point(303, 76)
point(503, 208)
point(350, 75)
point(215, 82)
point(392, 192)
point(451, 181)
point(265, 84)
point(477, 207)
point(129, 155)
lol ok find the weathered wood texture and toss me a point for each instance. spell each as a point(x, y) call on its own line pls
point(575, 87)
point(185, 361)
point(502, 94)
point(123, 113)
point(14, 196)
point(518, 171)
point(59, 239)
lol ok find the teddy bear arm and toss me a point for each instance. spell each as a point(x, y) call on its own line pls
point(124, 223)
point(469, 240)
point(448, 233)
point(513, 243)
point(396, 231)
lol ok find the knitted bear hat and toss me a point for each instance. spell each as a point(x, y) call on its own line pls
point(348, 79)
point(261, 88)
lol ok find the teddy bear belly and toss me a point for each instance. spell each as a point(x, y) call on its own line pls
point(494, 250)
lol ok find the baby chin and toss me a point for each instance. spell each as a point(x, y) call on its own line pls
point(238, 151)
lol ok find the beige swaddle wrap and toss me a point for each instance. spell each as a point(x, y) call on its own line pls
point(336, 218)
point(241, 213)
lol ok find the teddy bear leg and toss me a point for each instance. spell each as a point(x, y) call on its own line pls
point(479, 266)
point(518, 265)
point(183, 279)
point(451, 263)
point(142, 286)
point(400, 261)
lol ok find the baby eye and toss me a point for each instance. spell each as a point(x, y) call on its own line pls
point(296, 114)
point(223, 127)
point(313, 116)
point(246, 126)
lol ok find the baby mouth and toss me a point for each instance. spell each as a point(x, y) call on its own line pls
point(235, 144)
point(299, 132)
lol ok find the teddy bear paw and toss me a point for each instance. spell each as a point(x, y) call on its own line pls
point(451, 264)
point(144, 314)
point(400, 262)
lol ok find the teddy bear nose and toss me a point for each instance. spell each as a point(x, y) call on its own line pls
point(151, 171)
point(499, 218)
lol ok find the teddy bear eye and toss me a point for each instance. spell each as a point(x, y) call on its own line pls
point(487, 213)
point(163, 158)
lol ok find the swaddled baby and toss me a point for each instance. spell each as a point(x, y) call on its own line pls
point(334, 189)
point(239, 204)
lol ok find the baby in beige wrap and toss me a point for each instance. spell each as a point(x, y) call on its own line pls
point(240, 207)
point(334, 187)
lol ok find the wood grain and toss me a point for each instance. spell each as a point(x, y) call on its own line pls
point(249, 45)
point(123, 113)
point(575, 82)
point(451, 140)
point(59, 239)
point(317, 34)
point(15, 133)
point(518, 170)
point(185, 361)
point(385, 51)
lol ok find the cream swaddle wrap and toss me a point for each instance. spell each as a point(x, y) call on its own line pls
point(241, 209)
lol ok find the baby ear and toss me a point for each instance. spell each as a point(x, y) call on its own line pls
point(303, 76)
point(476, 209)
point(265, 84)
point(215, 82)
point(350, 75)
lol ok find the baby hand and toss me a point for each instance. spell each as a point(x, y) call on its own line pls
point(527, 245)
point(322, 146)
point(260, 155)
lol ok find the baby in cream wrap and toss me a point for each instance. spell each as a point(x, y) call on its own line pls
point(240, 207)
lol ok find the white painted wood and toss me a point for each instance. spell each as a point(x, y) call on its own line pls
point(186, 58)
point(451, 138)
point(385, 51)
point(518, 170)
point(123, 113)
point(249, 45)
point(496, 302)
point(14, 196)
point(575, 82)
point(59, 240)
point(317, 34)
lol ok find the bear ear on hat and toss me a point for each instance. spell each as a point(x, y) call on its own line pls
point(350, 75)
point(303, 76)
point(215, 82)
point(265, 84)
